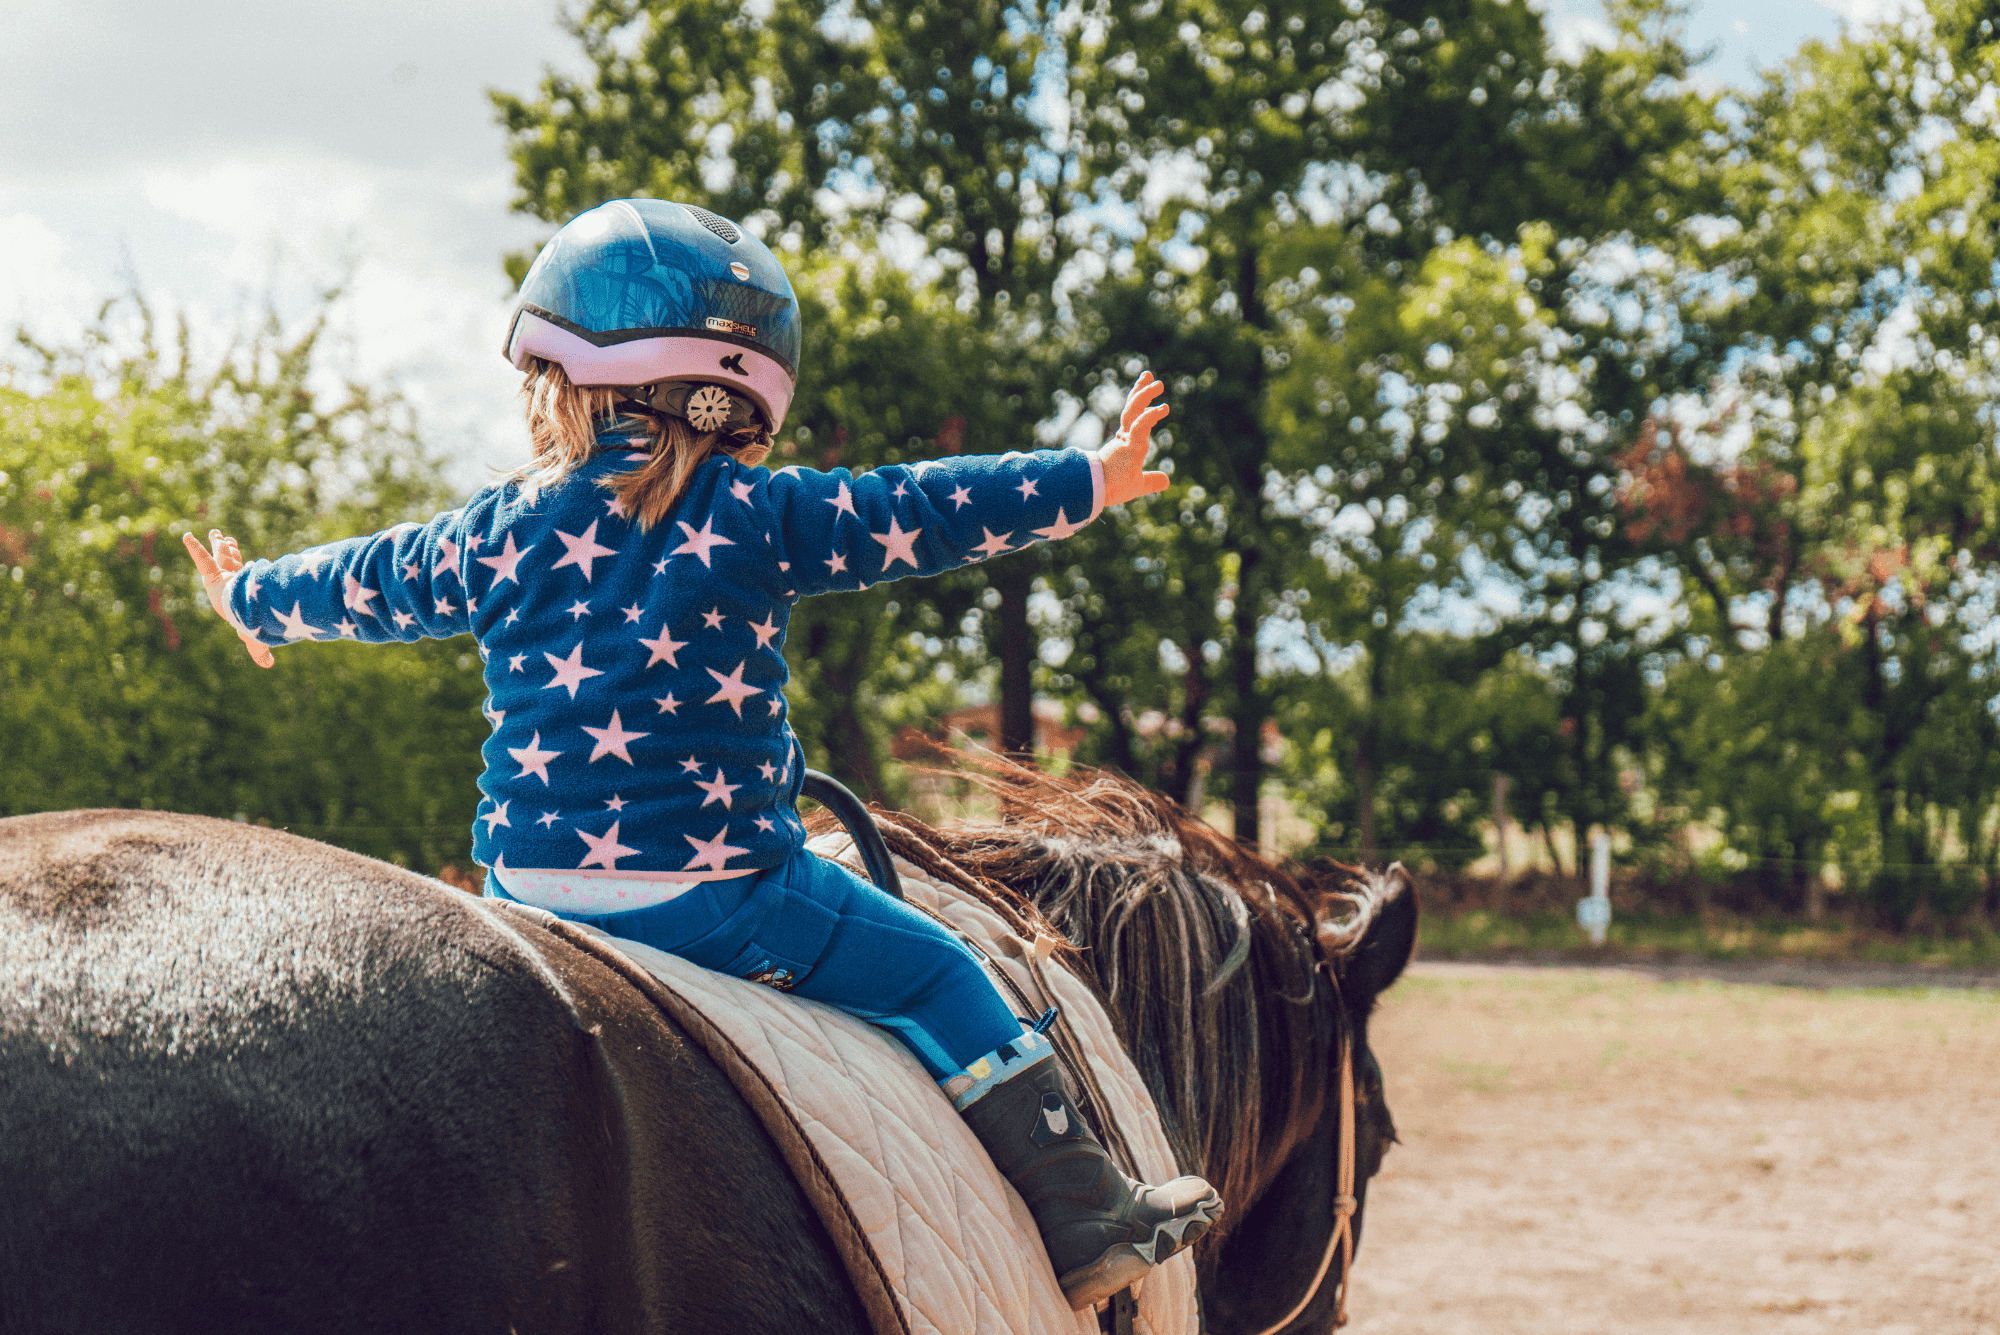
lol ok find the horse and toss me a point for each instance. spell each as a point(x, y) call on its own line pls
point(250, 1082)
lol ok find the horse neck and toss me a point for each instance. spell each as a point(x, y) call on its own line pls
point(1240, 1076)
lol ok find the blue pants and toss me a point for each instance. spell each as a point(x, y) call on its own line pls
point(814, 928)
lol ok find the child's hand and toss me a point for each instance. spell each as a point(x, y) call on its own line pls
point(215, 572)
point(1124, 458)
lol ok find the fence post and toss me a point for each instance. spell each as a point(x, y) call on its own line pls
point(1593, 913)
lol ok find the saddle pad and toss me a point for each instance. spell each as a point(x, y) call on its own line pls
point(947, 1246)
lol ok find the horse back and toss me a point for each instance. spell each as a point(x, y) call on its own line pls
point(251, 1082)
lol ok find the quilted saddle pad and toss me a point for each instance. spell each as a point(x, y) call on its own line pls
point(937, 1241)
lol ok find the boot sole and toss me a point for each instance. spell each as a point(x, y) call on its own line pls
point(1128, 1262)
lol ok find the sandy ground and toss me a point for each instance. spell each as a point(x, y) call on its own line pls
point(1594, 1150)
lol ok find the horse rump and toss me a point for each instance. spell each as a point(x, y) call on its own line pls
point(249, 1082)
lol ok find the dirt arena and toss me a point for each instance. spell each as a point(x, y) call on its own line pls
point(1597, 1151)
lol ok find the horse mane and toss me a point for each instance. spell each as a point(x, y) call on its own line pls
point(1206, 953)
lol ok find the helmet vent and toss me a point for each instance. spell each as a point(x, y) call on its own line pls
point(722, 227)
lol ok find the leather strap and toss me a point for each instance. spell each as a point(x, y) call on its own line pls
point(1344, 1206)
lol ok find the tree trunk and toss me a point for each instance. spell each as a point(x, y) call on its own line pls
point(1364, 787)
point(1181, 767)
point(1248, 537)
point(1017, 656)
point(1246, 760)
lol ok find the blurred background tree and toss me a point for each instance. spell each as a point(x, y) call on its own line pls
point(119, 687)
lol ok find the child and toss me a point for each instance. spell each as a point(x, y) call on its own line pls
point(629, 589)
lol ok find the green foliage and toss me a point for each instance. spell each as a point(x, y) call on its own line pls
point(1535, 416)
point(1531, 416)
point(122, 688)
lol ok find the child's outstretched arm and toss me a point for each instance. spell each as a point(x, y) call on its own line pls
point(405, 584)
point(837, 530)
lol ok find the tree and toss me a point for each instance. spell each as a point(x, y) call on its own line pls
point(1835, 485)
point(123, 689)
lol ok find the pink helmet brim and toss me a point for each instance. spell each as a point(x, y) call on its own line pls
point(741, 366)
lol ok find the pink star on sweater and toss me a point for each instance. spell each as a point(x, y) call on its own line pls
point(700, 544)
point(663, 648)
point(447, 562)
point(612, 739)
point(1062, 528)
point(712, 853)
point(836, 563)
point(690, 766)
point(605, 850)
point(767, 771)
point(583, 549)
point(445, 607)
point(412, 569)
point(295, 625)
point(740, 490)
point(712, 619)
point(995, 543)
point(357, 597)
point(764, 630)
point(533, 760)
point(514, 663)
point(898, 545)
point(844, 501)
point(717, 791)
point(310, 562)
point(507, 564)
point(570, 672)
point(633, 613)
point(497, 816)
point(669, 705)
point(1027, 489)
point(348, 630)
point(764, 824)
point(617, 803)
point(961, 498)
point(730, 689)
point(546, 819)
point(578, 610)
point(403, 620)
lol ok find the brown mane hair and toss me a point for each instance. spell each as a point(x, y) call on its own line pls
point(1159, 910)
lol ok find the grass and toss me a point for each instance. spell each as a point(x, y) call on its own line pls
point(1479, 933)
point(1622, 1036)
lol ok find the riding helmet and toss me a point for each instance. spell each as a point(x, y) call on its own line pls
point(654, 294)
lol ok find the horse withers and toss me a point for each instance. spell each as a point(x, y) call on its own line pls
point(249, 1082)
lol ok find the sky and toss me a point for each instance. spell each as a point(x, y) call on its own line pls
point(218, 154)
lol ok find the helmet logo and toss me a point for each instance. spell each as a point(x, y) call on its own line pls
point(733, 363)
point(723, 326)
point(740, 269)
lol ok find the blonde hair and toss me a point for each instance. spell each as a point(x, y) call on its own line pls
point(563, 422)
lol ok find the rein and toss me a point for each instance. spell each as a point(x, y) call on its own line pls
point(1344, 1205)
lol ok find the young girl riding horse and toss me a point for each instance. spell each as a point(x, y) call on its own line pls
point(629, 590)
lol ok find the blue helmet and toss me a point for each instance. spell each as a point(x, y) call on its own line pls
point(643, 291)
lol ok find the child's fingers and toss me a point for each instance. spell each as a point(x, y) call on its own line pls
point(203, 562)
point(1153, 482)
point(1142, 394)
point(260, 654)
point(1143, 425)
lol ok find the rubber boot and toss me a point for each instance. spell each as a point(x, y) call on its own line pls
point(1102, 1229)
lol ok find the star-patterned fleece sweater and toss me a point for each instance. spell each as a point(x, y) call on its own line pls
point(636, 679)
